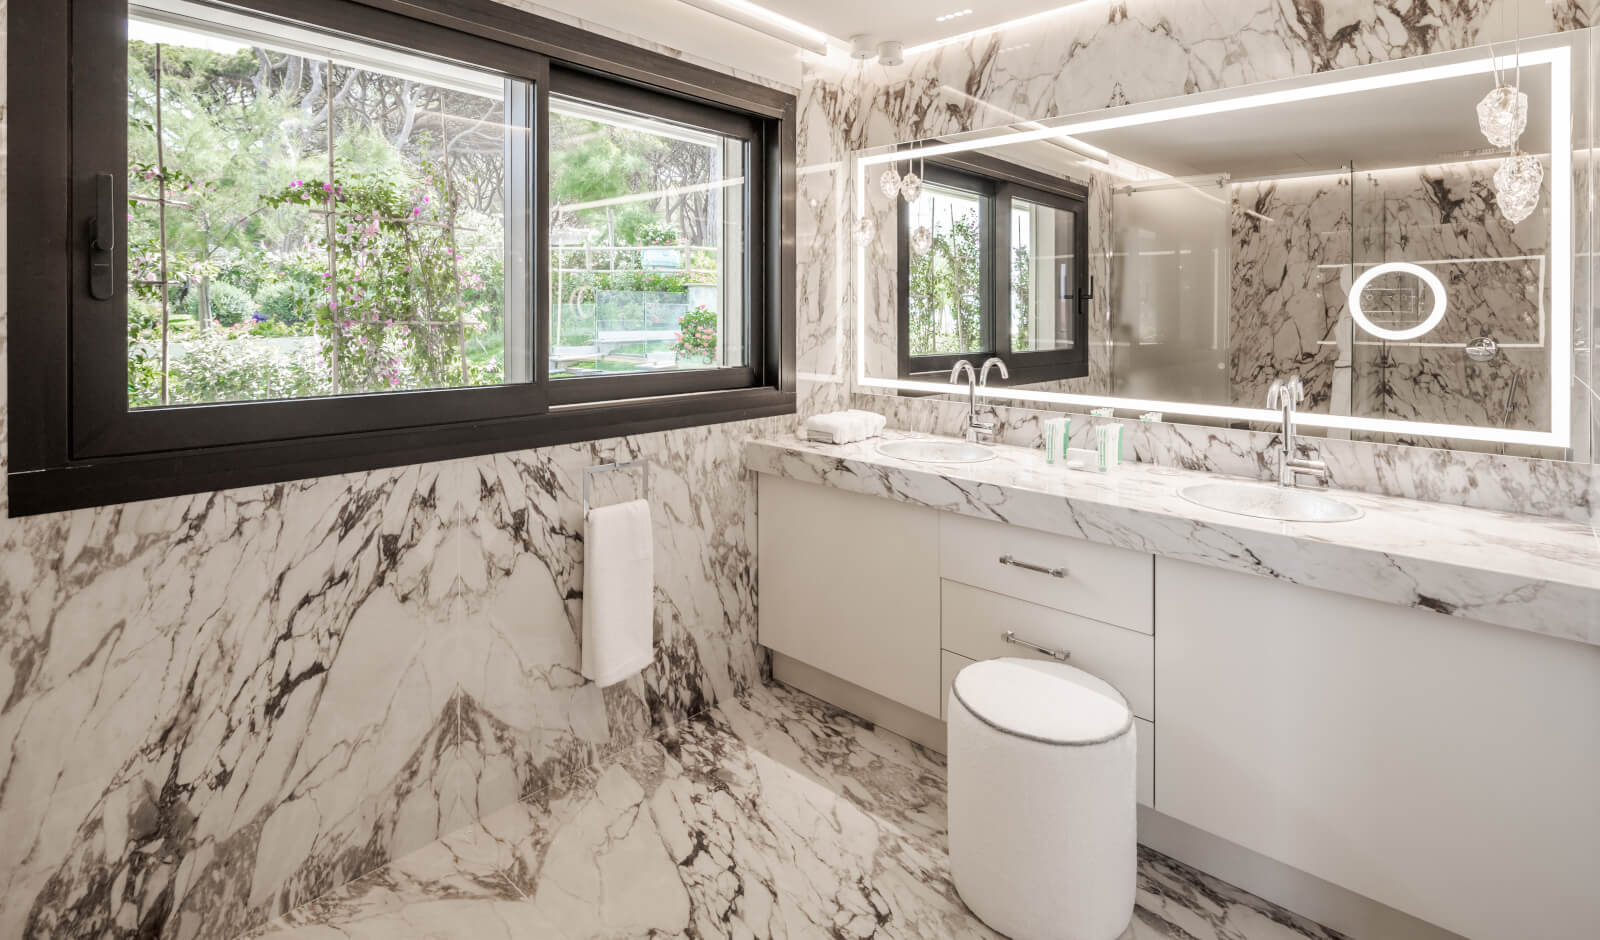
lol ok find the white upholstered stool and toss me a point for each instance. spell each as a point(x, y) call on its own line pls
point(1043, 783)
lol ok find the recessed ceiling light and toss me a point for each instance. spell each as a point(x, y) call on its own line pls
point(951, 16)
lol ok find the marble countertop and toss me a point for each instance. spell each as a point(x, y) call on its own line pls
point(1525, 572)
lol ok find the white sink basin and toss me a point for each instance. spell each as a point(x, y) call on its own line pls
point(933, 451)
point(1270, 502)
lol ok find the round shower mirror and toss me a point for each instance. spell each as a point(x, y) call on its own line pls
point(1428, 278)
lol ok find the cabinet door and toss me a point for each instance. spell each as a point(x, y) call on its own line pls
point(1443, 767)
point(850, 584)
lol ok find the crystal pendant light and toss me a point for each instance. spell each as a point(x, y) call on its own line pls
point(921, 240)
point(911, 186)
point(865, 229)
point(889, 182)
point(1503, 115)
point(1516, 185)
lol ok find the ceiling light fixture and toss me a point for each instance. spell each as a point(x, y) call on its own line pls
point(955, 15)
point(763, 20)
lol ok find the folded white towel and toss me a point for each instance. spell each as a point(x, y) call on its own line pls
point(843, 427)
point(618, 592)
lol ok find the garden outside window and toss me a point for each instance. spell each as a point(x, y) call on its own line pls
point(267, 239)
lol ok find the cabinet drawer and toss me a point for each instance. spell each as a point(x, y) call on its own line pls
point(1144, 731)
point(974, 623)
point(1113, 585)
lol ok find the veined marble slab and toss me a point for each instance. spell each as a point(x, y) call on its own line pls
point(1524, 572)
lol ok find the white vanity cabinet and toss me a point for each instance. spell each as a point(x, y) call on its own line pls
point(1447, 768)
point(849, 584)
point(895, 599)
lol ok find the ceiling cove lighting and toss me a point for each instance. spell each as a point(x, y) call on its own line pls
point(1559, 59)
point(1435, 286)
point(763, 20)
point(951, 16)
point(971, 34)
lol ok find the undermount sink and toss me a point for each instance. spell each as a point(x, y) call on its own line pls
point(932, 451)
point(1270, 502)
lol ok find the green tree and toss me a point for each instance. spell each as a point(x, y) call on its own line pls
point(946, 314)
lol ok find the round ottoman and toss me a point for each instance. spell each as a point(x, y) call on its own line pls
point(1043, 785)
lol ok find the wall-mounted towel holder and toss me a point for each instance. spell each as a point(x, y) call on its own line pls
point(589, 472)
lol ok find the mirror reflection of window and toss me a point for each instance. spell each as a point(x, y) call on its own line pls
point(1044, 277)
point(946, 315)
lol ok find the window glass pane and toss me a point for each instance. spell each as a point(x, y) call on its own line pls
point(647, 231)
point(1044, 277)
point(310, 215)
point(945, 301)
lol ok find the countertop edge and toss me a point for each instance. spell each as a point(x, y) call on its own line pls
point(1542, 605)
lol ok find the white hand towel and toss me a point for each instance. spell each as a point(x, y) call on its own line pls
point(843, 427)
point(618, 592)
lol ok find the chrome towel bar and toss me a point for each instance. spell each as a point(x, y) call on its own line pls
point(589, 472)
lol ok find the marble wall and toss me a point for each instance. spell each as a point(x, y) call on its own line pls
point(1289, 300)
point(1081, 59)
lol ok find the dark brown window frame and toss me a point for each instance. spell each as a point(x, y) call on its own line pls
point(996, 183)
point(58, 458)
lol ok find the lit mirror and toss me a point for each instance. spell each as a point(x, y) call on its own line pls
point(1179, 256)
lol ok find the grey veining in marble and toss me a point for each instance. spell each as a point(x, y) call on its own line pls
point(774, 815)
point(1523, 572)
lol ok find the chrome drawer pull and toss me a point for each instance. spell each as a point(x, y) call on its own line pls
point(1010, 636)
point(1052, 572)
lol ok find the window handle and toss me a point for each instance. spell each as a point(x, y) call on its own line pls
point(1066, 295)
point(102, 276)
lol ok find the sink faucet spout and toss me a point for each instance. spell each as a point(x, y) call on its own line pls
point(1288, 394)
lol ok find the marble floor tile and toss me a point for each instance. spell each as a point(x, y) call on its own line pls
point(773, 815)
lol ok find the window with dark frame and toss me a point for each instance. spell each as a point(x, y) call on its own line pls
point(993, 261)
point(298, 238)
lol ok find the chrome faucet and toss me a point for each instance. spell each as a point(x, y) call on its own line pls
point(980, 422)
point(1288, 394)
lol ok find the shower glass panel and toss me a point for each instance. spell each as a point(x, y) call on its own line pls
point(1170, 312)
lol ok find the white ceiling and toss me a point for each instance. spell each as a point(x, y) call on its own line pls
point(911, 22)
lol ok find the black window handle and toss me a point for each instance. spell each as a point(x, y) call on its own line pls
point(102, 276)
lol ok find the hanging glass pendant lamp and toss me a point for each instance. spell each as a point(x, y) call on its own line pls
point(889, 182)
point(1517, 184)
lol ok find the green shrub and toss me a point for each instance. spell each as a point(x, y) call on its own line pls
point(229, 304)
point(284, 303)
